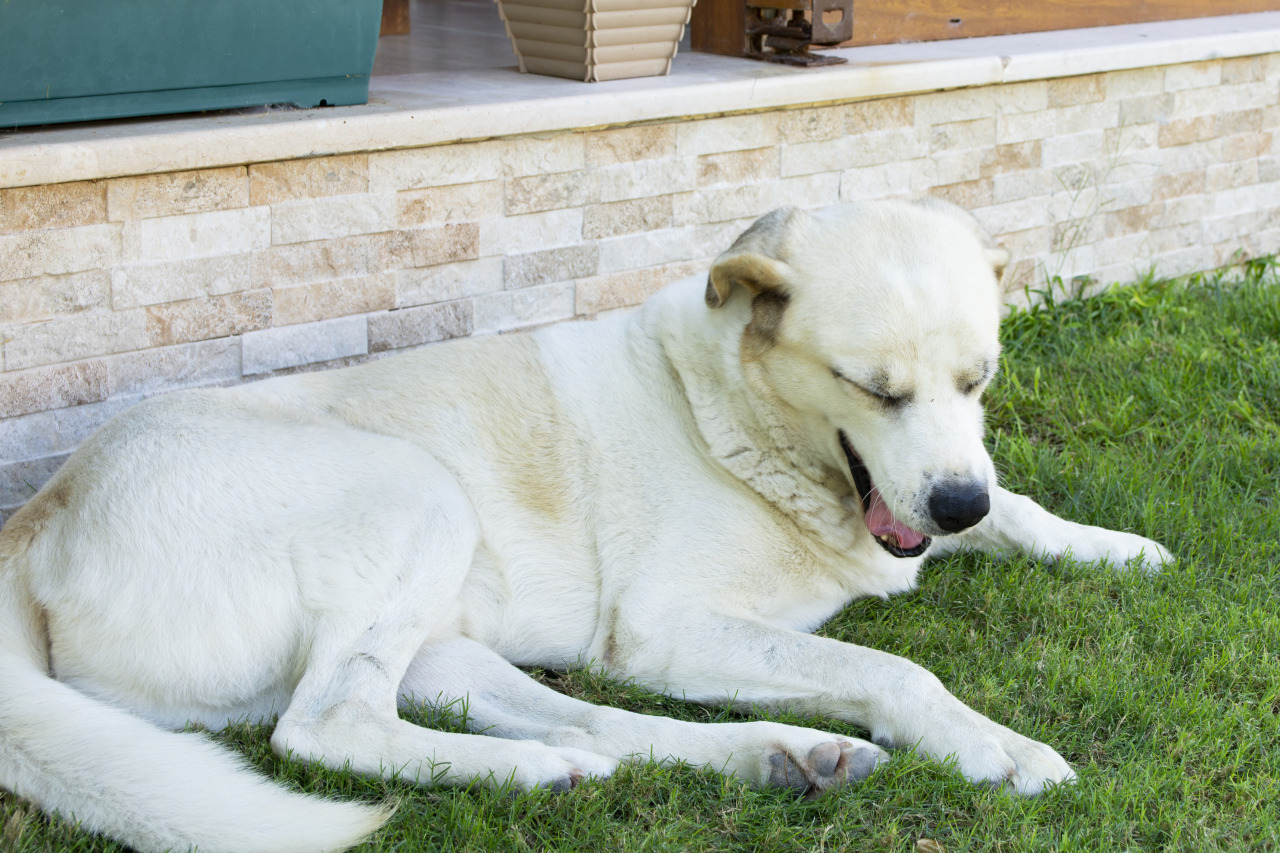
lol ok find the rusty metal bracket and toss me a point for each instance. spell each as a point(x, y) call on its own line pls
point(783, 30)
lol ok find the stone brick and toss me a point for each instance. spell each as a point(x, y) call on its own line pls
point(1178, 184)
point(444, 245)
point(1224, 99)
point(1135, 82)
point(888, 113)
point(175, 193)
point(646, 178)
point(1185, 210)
point(1069, 91)
point(1086, 116)
point(887, 146)
point(53, 387)
point(172, 281)
point(626, 217)
point(29, 254)
point(1131, 220)
point(1016, 157)
point(549, 265)
point(435, 166)
point(727, 203)
point(325, 259)
point(958, 166)
point(550, 192)
point(808, 158)
point(1127, 143)
point(26, 299)
point(44, 433)
point(1220, 176)
point(52, 206)
point(960, 135)
point(1228, 202)
point(308, 303)
point(1241, 121)
point(941, 107)
point(531, 232)
point(807, 191)
point(332, 216)
point(196, 235)
point(448, 281)
point(606, 292)
point(1015, 186)
point(211, 317)
point(534, 155)
point(647, 249)
point(738, 167)
point(312, 177)
point(291, 346)
point(1074, 148)
point(1187, 130)
point(967, 194)
point(529, 306)
point(449, 205)
point(891, 180)
point(1146, 109)
point(19, 481)
point(73, 336)
point(1031, 96)
point(1242, 146)
point(734, 133)
point(155, 370)
point(1242, 69)
point(629, 144)
point(1013, 216)
point(812, 125)
point(1024, 127)
point(424, 324)
point(1194, 75)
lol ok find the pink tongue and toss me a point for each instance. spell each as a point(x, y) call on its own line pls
point(881, 522)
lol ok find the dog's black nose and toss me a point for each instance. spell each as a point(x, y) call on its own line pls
point(957, 506)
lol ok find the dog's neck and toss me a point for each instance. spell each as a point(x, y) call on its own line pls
point(747, 429)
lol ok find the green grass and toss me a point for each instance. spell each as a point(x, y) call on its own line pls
point(1153, 408)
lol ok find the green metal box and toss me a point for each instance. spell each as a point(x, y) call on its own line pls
point(77, 60)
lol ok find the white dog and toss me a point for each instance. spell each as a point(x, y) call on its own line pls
point(679, 495)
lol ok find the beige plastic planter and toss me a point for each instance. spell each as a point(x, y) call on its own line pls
point(593, 40)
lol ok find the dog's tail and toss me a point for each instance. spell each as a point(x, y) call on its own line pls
point(118, 775)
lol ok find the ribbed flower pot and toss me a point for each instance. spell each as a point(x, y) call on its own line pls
point(75, 60)
point(593, 40)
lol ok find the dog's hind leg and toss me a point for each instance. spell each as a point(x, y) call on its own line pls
point(343, 711)
point(505, 702)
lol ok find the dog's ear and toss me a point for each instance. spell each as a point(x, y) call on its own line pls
point(756, 260)
point(996, 256)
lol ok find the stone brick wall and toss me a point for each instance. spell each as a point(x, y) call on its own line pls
point(117, 289)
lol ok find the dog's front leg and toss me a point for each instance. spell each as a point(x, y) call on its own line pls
point(755, 664)
point(1018, 525)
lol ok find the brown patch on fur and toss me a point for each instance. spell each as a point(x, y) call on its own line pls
point(761, 334)
point(32, 518)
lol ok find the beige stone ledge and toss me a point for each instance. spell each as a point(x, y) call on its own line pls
point(412, 110)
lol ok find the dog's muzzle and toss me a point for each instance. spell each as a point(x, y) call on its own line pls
point(893, 535)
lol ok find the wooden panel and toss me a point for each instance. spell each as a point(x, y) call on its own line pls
point(717, 25)
point(395, 17)
point(885, 21)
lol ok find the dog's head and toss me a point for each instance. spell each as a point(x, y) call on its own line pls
point(876, 326)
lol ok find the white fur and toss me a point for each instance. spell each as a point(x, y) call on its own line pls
point(663, 494)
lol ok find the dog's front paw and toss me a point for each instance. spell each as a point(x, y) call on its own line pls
point(1118, 550)
point(1004, 758)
